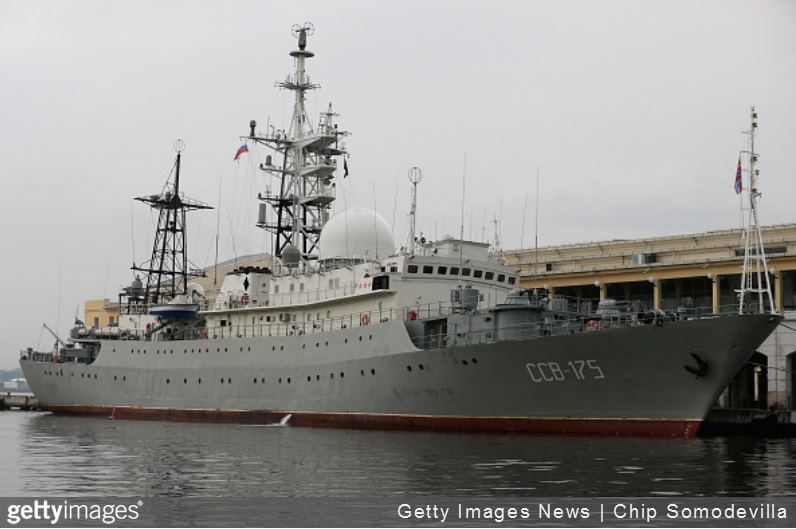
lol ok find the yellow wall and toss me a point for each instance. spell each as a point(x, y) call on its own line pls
point(101, 313)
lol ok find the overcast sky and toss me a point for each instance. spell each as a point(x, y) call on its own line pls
point(632, 111)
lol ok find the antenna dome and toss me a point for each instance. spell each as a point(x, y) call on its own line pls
point(356, 233)
point(291, 256)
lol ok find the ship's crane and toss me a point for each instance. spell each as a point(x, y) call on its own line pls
point(58, 338)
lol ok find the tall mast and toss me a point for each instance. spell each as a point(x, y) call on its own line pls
point(415, 176)
point(167, 270)
point(308, 165)
point(754, 278)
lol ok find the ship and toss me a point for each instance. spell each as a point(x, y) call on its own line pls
point(343, 330)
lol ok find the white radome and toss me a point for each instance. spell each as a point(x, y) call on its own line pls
point(356, 233)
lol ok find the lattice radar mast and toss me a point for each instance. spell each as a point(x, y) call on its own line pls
point(306, 170)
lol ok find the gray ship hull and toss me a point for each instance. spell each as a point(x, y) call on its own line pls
point(630, 380)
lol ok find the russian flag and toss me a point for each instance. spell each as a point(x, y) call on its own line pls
point(738, 179)
point(243, 148)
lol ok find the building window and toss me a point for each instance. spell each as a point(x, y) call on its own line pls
point(412, 269)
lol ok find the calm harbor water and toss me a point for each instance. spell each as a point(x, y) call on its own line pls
point(74, 457)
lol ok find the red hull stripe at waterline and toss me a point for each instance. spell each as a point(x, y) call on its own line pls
point(553, 425)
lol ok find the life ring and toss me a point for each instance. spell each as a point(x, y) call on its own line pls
point(412, 315)
point(594, 325)
point(203, 335)
point(244, 299)
point(148, 327)
point(365, 319)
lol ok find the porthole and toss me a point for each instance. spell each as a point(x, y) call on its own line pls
point(168, 381)
point(255, 380)
point(464, 362)
point(421, 367)
point(372, 371)
point(222, 380)
point(288, 380)
point(408, 368)
point(229, 381)
point(342, 374)
point(317, 377)
point(199, 381)
point(362, 372)
point(309, 379)
point(280, 380)
point(184, 380)
point(331, 376)
point(474, 361)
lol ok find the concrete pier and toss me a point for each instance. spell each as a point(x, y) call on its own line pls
point(18, 402)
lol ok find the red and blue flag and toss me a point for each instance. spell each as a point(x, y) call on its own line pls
point(738, 179)
point(243, 148)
